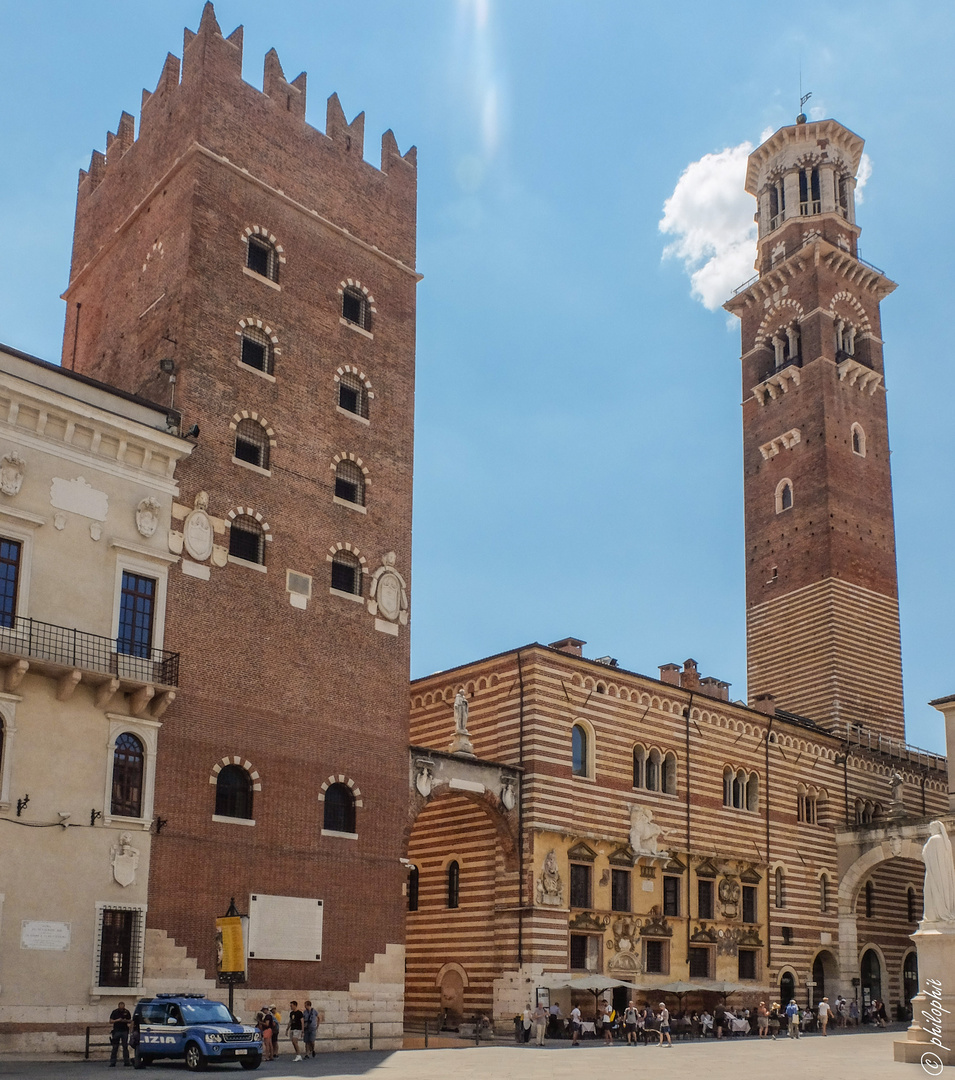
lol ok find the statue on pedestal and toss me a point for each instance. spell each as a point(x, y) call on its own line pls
point(939, 876)
point(461, 741)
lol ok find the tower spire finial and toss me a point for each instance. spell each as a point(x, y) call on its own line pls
point(803, 98)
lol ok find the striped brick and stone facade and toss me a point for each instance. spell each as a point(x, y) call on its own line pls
point(642, 919)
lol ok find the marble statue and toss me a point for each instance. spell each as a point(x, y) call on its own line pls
point(644, 831)
point(460, 713)
point(939, 876)
point(550, 889)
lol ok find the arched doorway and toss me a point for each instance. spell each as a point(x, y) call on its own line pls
point(871, 973)
point(452, 998)
point(787, 987)
point(910, 981)
point(825, 976)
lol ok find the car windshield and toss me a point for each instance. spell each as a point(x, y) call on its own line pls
point(205, 1012)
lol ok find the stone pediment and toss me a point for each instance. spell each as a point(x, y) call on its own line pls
point(706, 869)
point(587, 920)
point(750, 937)
point(704, 934)
point(656, 926)
point(623, 856)
point(582, 852)
point(749, 876)
point(674, 866)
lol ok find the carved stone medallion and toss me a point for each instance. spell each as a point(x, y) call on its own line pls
point(147, 516)
point(197, 534)
point(11, 473)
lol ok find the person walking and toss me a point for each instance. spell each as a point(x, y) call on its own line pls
point(276, 1030)
point(119, 1036)
point(310, 1029)
point(575, 1026)
point(719, 1019)
point(263, 1021)
point(630, 1023)
point(665, 1026)
point(607, 1017)
point(822, 1012)
point(792, 1015)
point(539, 1017)
point(762, 1020)
point(527, 1019)
point(774, 1020)
point(295, 1027)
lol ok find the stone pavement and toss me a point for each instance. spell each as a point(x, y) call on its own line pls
point(860, 1055)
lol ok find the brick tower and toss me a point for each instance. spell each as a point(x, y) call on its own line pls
point(269, 270)
point(821, 591)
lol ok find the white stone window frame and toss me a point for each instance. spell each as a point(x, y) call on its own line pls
point(147, 731)
point(21, 526)
point(343, 455)
point(136, 987)
point(261, 233)
point(356, 286)
point(144, 565)
point(242, 762)
point(8, 720)
point(248, 511)
point(350, 369)
point(253, 322)
point(778, 495)
point(237, 419)
point(857, 429)
point(355, 790)
point(590, 773)
point(352, 549)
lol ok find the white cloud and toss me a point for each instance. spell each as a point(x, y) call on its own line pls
point(862, 176)
point(710, 217)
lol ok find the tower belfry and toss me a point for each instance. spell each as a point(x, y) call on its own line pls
point(822, 618)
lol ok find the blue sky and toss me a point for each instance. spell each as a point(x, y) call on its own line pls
point(578, 446)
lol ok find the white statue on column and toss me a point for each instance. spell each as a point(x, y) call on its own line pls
point(461, 740)
point(939, 876)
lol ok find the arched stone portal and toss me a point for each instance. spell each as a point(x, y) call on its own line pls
point(463, 815)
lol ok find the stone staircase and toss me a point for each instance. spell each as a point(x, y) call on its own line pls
point(168, 970)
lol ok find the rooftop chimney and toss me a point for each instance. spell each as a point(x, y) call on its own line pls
point(570, 645)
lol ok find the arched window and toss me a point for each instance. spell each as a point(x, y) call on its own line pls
point(810, 200)
point(346, 573)
point(752, 792)
point(639, 761)
point(339, 809)
point(858, 440)
point(128, 763)
point(247, 539)
point(780, 883)
point(727, 786)
point(454, 883)
point(739, 790)
point(785, 342)
point(355, 308)
point(352, 394)
point(824, 894)
point(234, 793)
point(669, 773)
point(910, 901)
point(580, 751)
point(413, 887)
point(869, 899)
point(262, 258)
point(653, 770)
point(784, 495)
point(257, 349)
point(349, 482)
point(252, 443)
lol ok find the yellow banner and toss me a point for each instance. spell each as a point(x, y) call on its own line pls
point(230, 946)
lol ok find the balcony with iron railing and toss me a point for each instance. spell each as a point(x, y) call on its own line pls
point(72, 656)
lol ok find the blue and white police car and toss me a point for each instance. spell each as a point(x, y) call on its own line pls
point(198, 1030)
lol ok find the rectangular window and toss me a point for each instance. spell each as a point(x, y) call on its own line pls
point(9, 579)
point(671, 896)
point(136, 615)
point(120, 957)
point(787, 933)
point(584, 952)
point(747, 964)
point(579, 885)
point(620, 890)
point(704, 898)
point(655, 956)
point(699, 962)
point(749, 903)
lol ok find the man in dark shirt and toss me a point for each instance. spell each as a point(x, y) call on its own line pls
point(295, 1028)
point(119, 1018)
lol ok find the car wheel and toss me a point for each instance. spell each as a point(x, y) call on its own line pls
point(195, 1058)
point(251, 1062)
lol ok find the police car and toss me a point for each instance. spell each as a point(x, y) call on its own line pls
point(196, 1029)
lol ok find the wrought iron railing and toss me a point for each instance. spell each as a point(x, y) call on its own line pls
point(892, 748)
point(75, 648)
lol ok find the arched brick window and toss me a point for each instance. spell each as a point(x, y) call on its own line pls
point(454, 883)
point(339, 809)
point(247, 539)
point(350, 482)
point(233, 792)
point(252, 443)
point(346, 573)
point(257, 349)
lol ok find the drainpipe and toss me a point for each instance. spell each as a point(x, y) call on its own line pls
point(520, 820)
point(686, 715)
point(769, 906)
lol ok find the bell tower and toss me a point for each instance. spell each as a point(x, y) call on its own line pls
point(822, 618)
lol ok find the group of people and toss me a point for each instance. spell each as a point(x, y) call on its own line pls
point(301, 1028)
point(636, 1022)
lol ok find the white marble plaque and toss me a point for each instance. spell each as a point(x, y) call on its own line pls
point(38, 934)
point(79, 497)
